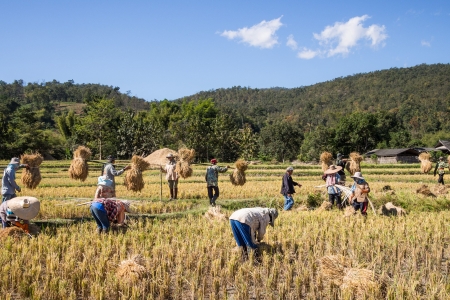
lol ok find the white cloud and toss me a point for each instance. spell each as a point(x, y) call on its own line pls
point(291, 43)
point(425, 43)
point(260, 35)
point(307, 53)
point(342, 37)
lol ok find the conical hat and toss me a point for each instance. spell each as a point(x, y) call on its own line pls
point(25, 207)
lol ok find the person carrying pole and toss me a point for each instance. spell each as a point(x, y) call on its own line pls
point(9, 185)
point(359, 189)
point(212, 180)
point(171, 176)
point(110, 172)
point(440, 169)
point(249, 226)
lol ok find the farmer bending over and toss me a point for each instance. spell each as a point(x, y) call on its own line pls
point(249, 226)
point(359, 189)
point(19, 211)
point(107, 211)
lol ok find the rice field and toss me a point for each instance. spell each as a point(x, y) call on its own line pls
point(187, 256)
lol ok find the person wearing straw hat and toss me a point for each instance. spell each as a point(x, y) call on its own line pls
point(110, 172)
point(359, 190)
point(107, 211)
point(171, 176)
point(440, 169)
point(104, 188)
point(9, 185)
point(287, 188)
point(249, 226)
point(19, 211)
point(333, 178)
point(212, 180)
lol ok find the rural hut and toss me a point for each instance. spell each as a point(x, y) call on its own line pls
point(443, 146)
point(388, 156)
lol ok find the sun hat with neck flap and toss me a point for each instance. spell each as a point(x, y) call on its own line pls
point(24, 207)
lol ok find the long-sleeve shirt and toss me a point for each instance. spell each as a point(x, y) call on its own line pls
point(257, 218)
point(287, 185)
point(115, 210)
point(110, 172)
point(212, 175)
point(169, 169)
point(9, 185)
point(331, 180)
point(8, 215)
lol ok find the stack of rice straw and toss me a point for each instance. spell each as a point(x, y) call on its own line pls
point(238, 175)
point(425, 163)
point(354, 164)
point(215, 213)
point(185, 158)
point(31, 177)
point(79, 169)
point(324, 207)
point(326, 159)
point(338, 270)
point(132, 269)
point(134, 181)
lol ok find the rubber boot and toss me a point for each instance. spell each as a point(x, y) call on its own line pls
point(171, 194)
point(175, 192)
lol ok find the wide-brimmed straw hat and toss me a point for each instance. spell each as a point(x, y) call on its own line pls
point(357, 175)
point(273, 215)
point(170, 155)
point(14, 161)
point(127, 205)
point(24, 207)
point(332, 169)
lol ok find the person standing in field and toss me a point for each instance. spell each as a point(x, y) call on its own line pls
point(9, 185)
point(249, 226)
point(171, 176)
point(212, 180)
point(359, 189)
point(340, 162)
point(333, 178)
point(110, 172)
point(287, 188)
point(107, 211)
point(440, 169)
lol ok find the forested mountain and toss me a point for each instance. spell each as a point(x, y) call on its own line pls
point(395, 108)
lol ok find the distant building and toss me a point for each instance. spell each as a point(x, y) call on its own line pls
point(388, 156)
point(443, 146)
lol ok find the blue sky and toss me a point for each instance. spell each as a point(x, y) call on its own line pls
point(170, 49)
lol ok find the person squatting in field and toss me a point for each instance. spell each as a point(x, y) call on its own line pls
point(212, 180)
point(110, 172)
point(332, 178)
point(249, 226)
point(19, 211)
point(359, 189)
point(287, 188)
point(171, 176)
point(107, 211)
point(9, 185)
point(440, 169)
point(104, 188)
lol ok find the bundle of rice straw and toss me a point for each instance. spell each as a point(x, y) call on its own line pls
point(238, 175)
point(324, 207)
point(326, 159)
point(134, 180)
point(132, 269)
point(302, 207)
point(14, 232)
point(390, 209)
point(337, 269)
point(215, 214)
point(354, 164)
point(183, 167)
point(440, 190)
point(425, 190)
point(425, 163)
point(349, 211)
point(79, 169)
point(31, 177)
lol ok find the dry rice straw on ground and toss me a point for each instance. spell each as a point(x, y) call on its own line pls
point(215, 214)
point(132, 269)
point(134, 180)
point(390, 209)
point(183, 167)
point(349, 211)
point(238, 175)
point(425, 190)
point(324, 207)
point(326, 159)
point(79, 169)
point(31, 177)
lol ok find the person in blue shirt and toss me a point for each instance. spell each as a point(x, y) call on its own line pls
point(9, 185)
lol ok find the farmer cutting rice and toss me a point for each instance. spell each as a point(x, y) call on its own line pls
point(332, 178)
point(212, 180)
point(107, 211)
point(249, 226)
point(9, 185)
point(19, 211)
point(440, 169)
point(287, 188)
point(359, 189)
point(110, 172)
point(171, 176)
